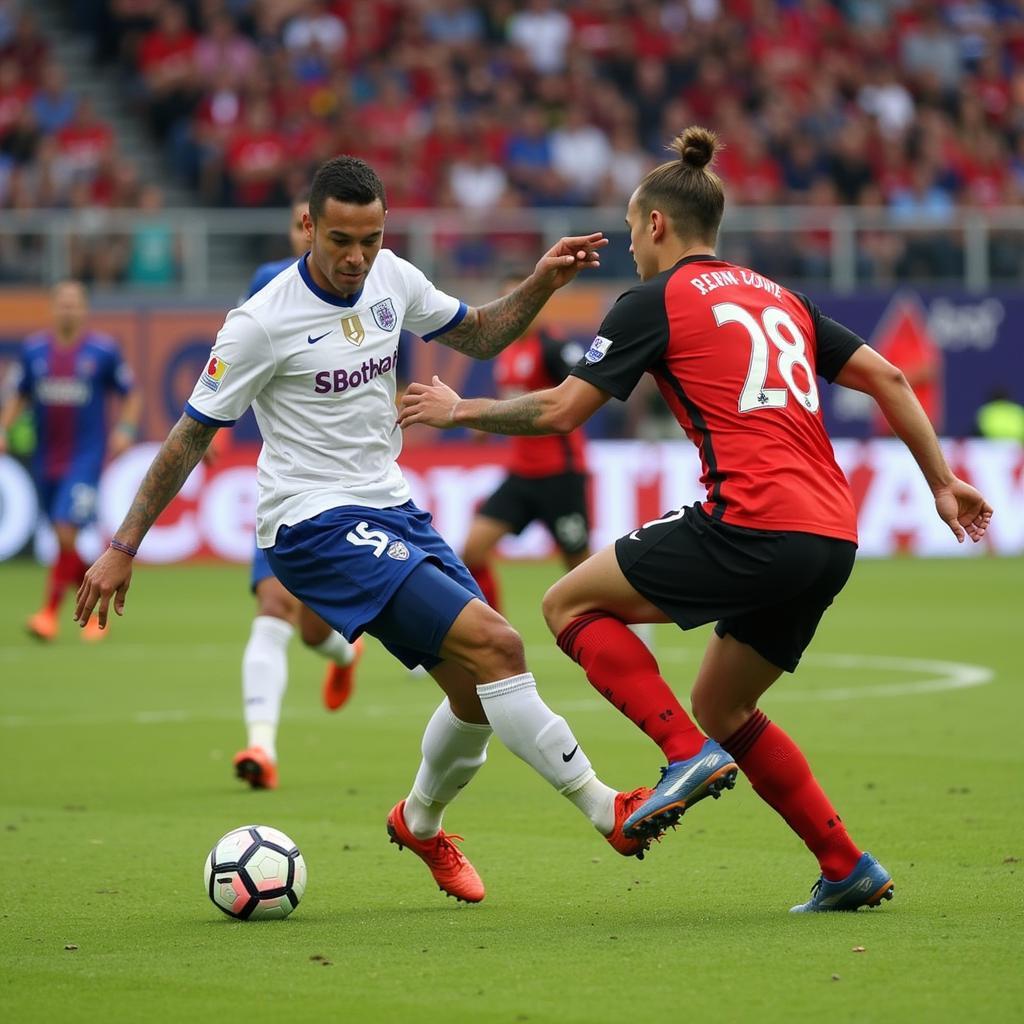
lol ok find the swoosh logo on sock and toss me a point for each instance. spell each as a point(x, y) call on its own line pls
point(572, 753)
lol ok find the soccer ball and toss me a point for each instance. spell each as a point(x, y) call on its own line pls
point(253, 872)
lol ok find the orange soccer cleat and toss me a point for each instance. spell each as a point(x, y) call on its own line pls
point(43, 625)
point(254, 765)
point(625, 805)
point(91, 632)
point(449, 866)
point(339, 679)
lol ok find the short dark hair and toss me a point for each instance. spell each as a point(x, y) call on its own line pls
point(347, 179)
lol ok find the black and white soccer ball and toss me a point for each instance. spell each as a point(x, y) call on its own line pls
point(255, 872)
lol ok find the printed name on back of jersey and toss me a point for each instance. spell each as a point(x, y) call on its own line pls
point(384, 315)
point(214, 373)
point(598, 349)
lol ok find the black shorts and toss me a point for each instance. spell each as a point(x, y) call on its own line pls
point(558, 501)
point(767, 588)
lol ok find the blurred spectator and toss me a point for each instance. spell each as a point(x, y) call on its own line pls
point(475, 181)
point(26, 47)
point(929, 50)
point(315, 27)
point(53, 103)
point(153, 252)
point(580, 154)
point(84, 141)
point(543, 33)
point(224, 55)
point(255, 158)
point(167, 67)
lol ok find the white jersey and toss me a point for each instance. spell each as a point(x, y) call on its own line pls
point(319, 371)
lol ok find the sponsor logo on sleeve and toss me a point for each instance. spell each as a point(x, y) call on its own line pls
point(214, 373)
point(384, 315)
point(598, 349)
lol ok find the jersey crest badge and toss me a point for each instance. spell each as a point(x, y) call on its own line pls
point(352, 328)
point(598, 349)
point(214, 373)
point(384, 315)
point(398, 551)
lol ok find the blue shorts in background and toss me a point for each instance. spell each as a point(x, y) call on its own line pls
point(349, 563)
point(71, 499)
point(260, 568)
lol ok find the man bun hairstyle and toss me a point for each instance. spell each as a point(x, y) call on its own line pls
point(348, 180)
point(696, 146)
point(685, 189)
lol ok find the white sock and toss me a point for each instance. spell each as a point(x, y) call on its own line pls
point(453, 752)
point(336, 648)
point(533, 732)
point(264, 679)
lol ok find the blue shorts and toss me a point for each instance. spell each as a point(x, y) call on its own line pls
point(385, 571)
point(71, 499)
point(260, 568)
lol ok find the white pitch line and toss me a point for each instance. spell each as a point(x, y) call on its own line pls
point(944, 676)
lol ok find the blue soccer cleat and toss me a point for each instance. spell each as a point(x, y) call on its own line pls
point(866, 885)
point(682, 784)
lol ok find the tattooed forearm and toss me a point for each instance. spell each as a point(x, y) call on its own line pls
point(178, 456)
point(486, 330)
point(527, 414)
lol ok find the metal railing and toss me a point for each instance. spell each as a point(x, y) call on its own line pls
point(842, 248)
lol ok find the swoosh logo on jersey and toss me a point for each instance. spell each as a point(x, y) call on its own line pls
point(312, 341)
point(572, 753)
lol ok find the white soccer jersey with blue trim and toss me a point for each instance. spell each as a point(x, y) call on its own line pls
point(319, 372)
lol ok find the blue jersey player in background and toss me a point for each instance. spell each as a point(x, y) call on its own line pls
point(265, 660)
point(66, 376)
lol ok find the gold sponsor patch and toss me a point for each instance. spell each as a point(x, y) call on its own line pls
point(352, 328)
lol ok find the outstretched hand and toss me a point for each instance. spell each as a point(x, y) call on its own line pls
point(431, 404)
point(567, 257)
point(963, 509)
point(109, 576)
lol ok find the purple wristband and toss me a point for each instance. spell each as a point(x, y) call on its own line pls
point(126, 548)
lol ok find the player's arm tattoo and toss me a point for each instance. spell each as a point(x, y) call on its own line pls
point(178, 456)
point(486, 330)
point(524, 414)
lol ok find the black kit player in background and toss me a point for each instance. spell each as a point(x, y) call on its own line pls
point(547, 475)
point(735, 357)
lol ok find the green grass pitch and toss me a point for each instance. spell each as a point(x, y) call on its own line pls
point(115, 781)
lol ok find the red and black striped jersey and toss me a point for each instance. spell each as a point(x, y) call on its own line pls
point(539, 360)
point(736, 357)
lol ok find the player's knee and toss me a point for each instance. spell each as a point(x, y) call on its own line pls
point(717, 718)
point(506, 645)
point(276, 605)
point(555, 609)
point(313, 631)
point(498, 649)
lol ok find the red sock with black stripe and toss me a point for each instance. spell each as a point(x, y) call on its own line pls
point(487, 581)
point(622, 669)
point(68, 570)
point(781, 777)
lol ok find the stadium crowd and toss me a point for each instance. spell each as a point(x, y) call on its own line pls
point(915, 106)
